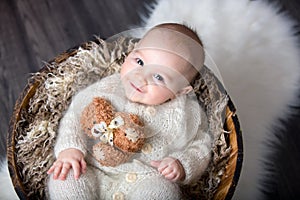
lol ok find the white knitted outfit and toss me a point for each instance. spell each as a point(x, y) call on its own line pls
point(177, 128)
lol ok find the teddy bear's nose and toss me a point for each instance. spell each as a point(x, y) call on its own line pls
point(132, 134)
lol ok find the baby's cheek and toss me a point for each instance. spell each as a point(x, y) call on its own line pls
point(126, 67)
point(123, 70)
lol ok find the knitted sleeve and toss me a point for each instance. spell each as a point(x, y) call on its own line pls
point(196, 156)
point(69, 132)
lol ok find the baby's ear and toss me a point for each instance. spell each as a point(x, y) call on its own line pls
point(185, 90)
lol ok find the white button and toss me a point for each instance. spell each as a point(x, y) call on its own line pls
point(118, 196)
point(147, 148)
point(131, 177)
point(150, 111)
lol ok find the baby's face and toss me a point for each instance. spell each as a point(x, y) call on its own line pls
point(152, 76)
point(161, 66)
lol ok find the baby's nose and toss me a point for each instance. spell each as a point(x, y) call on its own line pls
point(140, 78)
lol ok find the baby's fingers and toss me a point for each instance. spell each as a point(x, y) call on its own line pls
point(57, 166)
point(83, 166)
point(77, 169)
point(64, 171)
point(166, 171)
point(51, 170)
point(172, 176)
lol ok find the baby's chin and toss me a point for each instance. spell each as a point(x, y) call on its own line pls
point(131, 97)
point(135, 99)
point(145, 102)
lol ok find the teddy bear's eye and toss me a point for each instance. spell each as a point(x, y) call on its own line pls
point(116, 122)
point(111, 139)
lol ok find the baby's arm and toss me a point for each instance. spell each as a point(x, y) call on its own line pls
point(67, 159)
point(196, 157)
point(70, 146)
point(192, 161)
point(170, 168)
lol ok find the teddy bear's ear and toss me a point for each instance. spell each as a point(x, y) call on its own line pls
point(135, 119)
point(103, 110)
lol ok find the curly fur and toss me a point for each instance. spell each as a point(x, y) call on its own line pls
point(98, 110)
point(120, 139)
point(101, 110)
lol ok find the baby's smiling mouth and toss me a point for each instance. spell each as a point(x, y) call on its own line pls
point(136, 88)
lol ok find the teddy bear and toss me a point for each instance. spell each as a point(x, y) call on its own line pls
point(118, 135)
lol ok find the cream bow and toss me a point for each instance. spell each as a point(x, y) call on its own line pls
point(106, 132)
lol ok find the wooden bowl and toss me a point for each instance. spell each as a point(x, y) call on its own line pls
point(29, 179)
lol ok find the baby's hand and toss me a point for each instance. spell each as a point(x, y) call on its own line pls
point(67, 159)
point(170, 168)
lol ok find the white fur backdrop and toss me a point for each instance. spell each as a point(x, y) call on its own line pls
point(256, 52)
point(257, 55)
point(6, 191)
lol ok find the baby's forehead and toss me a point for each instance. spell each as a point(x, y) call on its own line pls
point(165, 39)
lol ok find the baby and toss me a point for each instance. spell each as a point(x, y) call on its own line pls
point(155, 80)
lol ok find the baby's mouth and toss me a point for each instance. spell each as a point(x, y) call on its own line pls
point(136, 88)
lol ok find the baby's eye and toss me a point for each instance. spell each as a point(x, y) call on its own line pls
point(158, 77)
point(140, 62)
